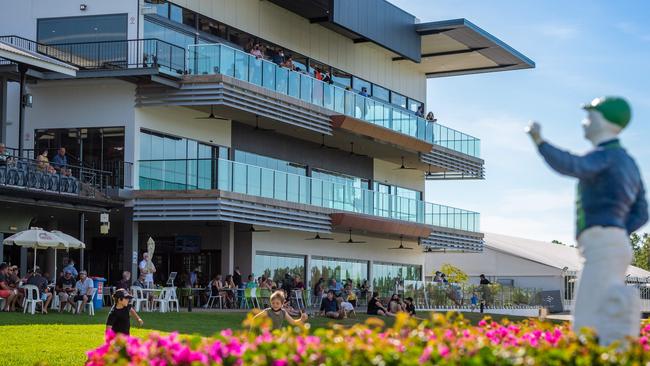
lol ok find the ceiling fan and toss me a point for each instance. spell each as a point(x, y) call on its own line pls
point(211, 116)
point(322, 144)
point(353, 153)
point(404, 167)
point(252, 229)
point(350, 241)
point(428, 250)
point(318, 237)
point(257, 125)
point(401, 245)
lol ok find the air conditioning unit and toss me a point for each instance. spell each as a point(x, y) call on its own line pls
point(145, 10)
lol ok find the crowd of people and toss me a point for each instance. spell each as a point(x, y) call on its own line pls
point(71, 288)
point(58, 165)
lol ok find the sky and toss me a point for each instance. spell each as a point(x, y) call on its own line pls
point(582, 50)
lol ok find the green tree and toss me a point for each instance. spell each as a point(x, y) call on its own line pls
point(641, 250)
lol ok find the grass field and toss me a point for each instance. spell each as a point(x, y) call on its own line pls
point(63, 339)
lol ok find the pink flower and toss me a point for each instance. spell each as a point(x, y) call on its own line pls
point(482, 323)
point(280, 362)
point(443, 350)
point(426, 354)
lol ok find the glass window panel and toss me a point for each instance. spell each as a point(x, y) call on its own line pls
point(294, 84)
point(176, 13)
point(212, 27)
point(380, 93)
point(398, 99)
point(241, 65)
point(255, 70)
point(82, 29)
point(276, 266)
point(358, 84)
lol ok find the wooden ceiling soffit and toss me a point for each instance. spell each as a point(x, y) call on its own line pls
point(379, 225)
point(363, 128)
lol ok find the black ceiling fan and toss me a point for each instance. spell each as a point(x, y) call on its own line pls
point(322, 144)
point(428, 250)
point(318, 237)
point(353, 153)
point(211, 116)
point(401, 245)
point(257, 125)
point(252, 229)
point(404, 167)
point(350, 241)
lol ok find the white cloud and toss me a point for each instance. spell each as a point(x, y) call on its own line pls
point(559, 31)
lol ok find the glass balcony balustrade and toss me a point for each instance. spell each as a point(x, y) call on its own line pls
point(227, 175)
point(207, 59)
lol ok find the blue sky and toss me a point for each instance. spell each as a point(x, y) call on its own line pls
point(582, 49)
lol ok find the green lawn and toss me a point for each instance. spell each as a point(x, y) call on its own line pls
point(63, 339)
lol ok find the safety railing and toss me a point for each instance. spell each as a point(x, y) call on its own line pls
point(110, 55)
point(190, 174)
point(206, 59)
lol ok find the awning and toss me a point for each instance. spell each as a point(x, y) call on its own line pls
point(379, 225)
point(459, 47)
point(35, 60)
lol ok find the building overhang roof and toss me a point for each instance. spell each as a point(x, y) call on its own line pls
point(379, 225)
point(34, 60)
point(459, 47)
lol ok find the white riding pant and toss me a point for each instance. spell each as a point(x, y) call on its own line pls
point(603, 301)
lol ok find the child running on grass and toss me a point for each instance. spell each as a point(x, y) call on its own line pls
point(277, 314)
point(118, 318)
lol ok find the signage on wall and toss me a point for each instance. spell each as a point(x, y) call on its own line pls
point(104, 224)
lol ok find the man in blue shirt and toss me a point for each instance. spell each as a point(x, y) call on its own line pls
point(60, 162)
point(610, 205)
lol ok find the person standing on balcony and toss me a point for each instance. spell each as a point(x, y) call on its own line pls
point(420, 111)
point(4, 157)
point(278, 57)
point(257, 52)
point(611, 205)
point(430, 118)
point(364, 92)
point(60, 162)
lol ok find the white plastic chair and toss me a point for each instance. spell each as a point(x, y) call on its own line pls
point(172, 299)
point(90, 304)
point(140, 298)
point(297, 295)
point(214, 298)
point(166, 299)
point(254, 301)
point(32, 297)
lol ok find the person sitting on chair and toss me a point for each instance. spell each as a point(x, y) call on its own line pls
point(330, 308)
point(41, 283)
point(84, 289)
point(64, 288)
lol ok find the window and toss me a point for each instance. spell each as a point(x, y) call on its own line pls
point(341, 78)
point(340, 178)
point(276, 266)
point(414, 105)
point(212, 27)
point(161, 6)
point(169, 162)
point(82, 29)
point(398, 99)
point(389, 278)
point(358, 84)
point(270, 163)
point(380, 93)
point(338, 269)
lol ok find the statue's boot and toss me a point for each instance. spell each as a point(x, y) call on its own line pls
point(603, 302)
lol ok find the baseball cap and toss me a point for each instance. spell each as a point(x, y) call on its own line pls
point(615, 109)
point(121, 294)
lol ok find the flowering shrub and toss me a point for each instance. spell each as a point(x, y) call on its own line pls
point(441, 340)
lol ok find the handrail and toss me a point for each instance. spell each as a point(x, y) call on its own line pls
point(228, 175)
point(218, 58)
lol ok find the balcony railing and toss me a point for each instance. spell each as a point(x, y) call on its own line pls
point(189, 174)
point(110, 55)
point(206, 59)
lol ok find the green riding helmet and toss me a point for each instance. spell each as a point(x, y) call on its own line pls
point(615, 109)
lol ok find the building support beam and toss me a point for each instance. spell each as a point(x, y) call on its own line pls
point(228, 248)
point(130, 253)
point(82, 238)
point(446, 53)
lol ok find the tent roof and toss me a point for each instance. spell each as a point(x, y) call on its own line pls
point(34, 60)
point(553, 255)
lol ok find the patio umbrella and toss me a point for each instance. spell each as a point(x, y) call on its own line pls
point(35, 238)
point(70, 243)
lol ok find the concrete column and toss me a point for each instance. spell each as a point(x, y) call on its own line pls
point(307, 278)
point(82, 238)
point(23, 261)
point(370, 274)
point(243, 249)
point(228, 249)
point(4, 100)
point(130, 255)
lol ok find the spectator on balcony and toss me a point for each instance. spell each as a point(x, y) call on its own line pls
point(60, 162)
point(420, 111)
point(431, 118)
point(257, 51)
point(364, 92)
point(278, 57)
point(318, 74)
point(288, 63)
point(43, 163)
point(327, 78)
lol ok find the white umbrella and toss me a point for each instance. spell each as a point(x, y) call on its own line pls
point(36, 238)
point(70, 243)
